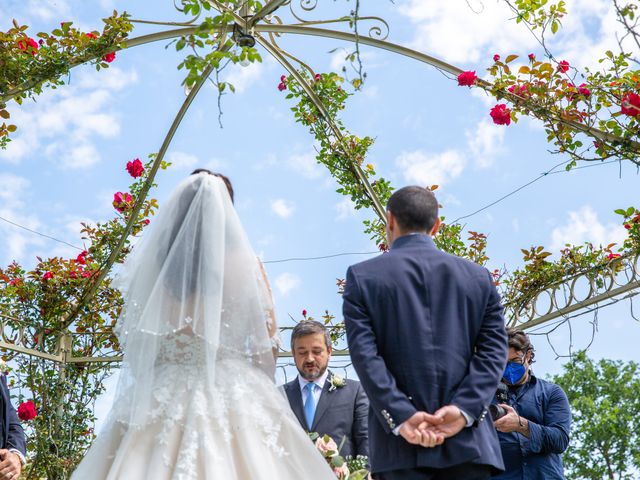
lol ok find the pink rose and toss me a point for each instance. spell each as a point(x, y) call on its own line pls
point(146, 221)
point(326, 444)
point(630, 104)
point(500, 114)
point(109, 57)
point(282, 86)
point(341, 472)
point(27, 411)
point(304, 313)
point(583, 90)
point(563, 66)
point(318, 77)
point(92, 36)
point(47, 276)
point(496, 57)
point(467, 79)
point(135, 168)
point(121, 201)
point(532, 57)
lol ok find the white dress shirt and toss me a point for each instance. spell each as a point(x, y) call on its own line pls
point(316, 391)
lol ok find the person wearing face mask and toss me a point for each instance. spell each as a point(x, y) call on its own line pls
point(535, 425)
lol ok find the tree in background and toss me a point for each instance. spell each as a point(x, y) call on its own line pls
point(605, 403)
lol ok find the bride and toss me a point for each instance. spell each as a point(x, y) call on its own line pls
point(196, 398)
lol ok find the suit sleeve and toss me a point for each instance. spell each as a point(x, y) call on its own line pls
point(553, 435)
point(478, 387)
point(360, 431)
point(16, 438)
point(389, 404)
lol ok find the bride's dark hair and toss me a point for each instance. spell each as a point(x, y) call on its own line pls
point(224, 178)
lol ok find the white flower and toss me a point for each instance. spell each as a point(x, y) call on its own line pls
point(336, 381)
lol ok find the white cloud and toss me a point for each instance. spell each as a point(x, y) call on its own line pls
point(282, 207)
point(306, 165)
point(471, 32)
point(584, 226)
point(430, 169)
point(463, 32)
point(12, 188)
point(485, 142)
point(48, 11)
point(345, 209)
point(182, 160)
point(244, 77)
point(69, 120)
point(286, 282)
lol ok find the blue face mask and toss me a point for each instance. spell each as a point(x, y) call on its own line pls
point(514, 372)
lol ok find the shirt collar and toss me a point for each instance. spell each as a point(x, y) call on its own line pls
point(318, 381)
point(413, 239)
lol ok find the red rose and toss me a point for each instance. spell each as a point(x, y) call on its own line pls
point(318, 77)
point(81, 258)
point(467, 79)
point(27, 411)
point(135, 168)
point(47, 276)
point(532, 57)
point(383, 247)
point(631, 104)
point(500, 114)
point(496, 57)
point(25, 44)
point(86, 274)
point(93, 36)
point(282, 86)
point(146, 221)
point(563, 66)
point(109, 57)
point(627, 226)
point(611, 256)
point(304, 313)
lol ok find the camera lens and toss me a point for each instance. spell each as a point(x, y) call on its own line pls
point(496, 411)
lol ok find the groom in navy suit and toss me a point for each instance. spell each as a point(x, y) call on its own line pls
point(427, 339)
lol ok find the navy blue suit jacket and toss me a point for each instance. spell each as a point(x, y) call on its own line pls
point(11, 429)
point(425, 329)
point(341, 414)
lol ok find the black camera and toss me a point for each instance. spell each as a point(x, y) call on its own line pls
point(502, 396)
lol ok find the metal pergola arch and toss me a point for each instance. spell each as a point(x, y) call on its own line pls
point(265, 26)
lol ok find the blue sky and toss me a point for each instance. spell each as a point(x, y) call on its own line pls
point(69, 155)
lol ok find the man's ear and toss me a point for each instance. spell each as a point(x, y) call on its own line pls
point(436, 227)
point(391, 221)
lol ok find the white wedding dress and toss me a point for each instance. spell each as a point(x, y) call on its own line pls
point(196, 397)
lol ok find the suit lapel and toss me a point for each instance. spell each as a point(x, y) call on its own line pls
point(323, 403)
point(295, 400)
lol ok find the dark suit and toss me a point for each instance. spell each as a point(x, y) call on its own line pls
point(425, 329)
point(11, 430)
point(341, 413)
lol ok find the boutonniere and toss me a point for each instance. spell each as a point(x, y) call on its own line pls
point(336, 381)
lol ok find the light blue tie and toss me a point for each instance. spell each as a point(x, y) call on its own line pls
point(310, 404)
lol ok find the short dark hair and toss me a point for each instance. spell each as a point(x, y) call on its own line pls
point(415, 208)
point(519, 341)
point(223, 177)
point(309, 327)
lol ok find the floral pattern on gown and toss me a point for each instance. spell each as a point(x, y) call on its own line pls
point(240, 428)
